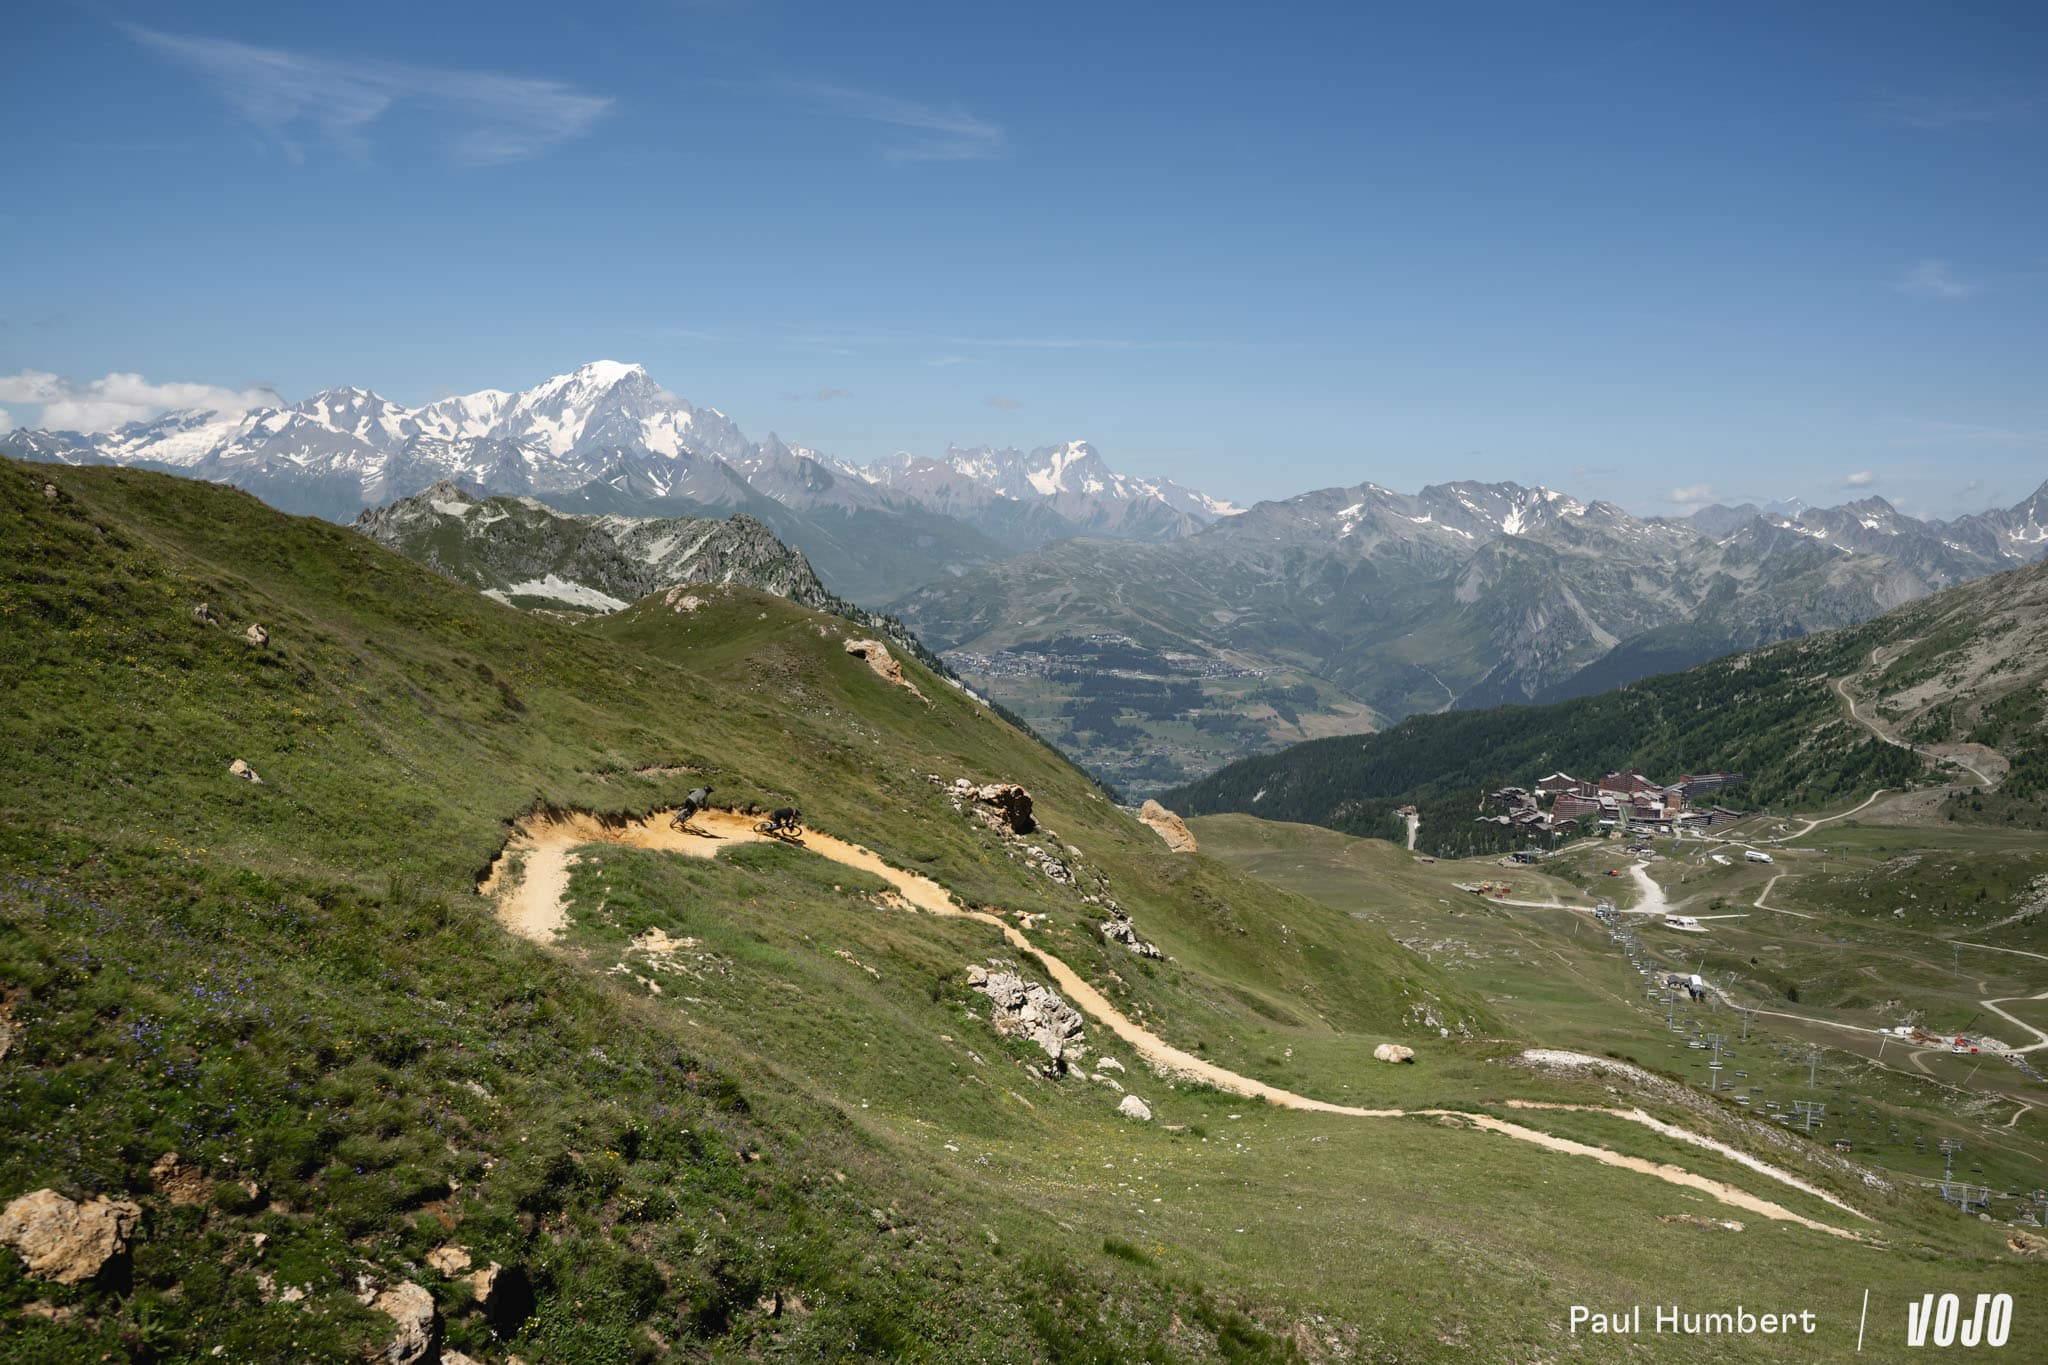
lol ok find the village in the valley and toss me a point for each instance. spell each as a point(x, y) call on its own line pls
point(1619, 801)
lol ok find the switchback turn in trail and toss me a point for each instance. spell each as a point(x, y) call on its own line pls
point(530, 904)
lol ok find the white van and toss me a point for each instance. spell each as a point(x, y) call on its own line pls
point(1755, 856)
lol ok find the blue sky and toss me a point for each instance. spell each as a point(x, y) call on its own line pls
point(1633, 251)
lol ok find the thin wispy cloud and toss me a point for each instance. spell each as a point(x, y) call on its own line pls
point(1692, 495)
point(1002, 404)
point(922, 132)
point(827, 395)
point(1942, 113)
point(1862, 478)
point(295, 98)
point(1932, 279)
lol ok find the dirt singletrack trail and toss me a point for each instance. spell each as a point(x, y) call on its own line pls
point(533, 907)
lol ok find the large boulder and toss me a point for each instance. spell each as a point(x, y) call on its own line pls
point(65, 1241)
point(1169, 827)
point(1009, 801)
point(883, 662)
point(242, 770)
point(1135, 1108)
point(1393, 1052)
point(412, 1308)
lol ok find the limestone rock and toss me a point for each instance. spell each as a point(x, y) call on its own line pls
point(884, 663)
point(1135, 1108)
point(245, 772)
point(65, 1241)
point(1020, 1007)
point(205, 615)
point(1393, 1052)
point(1169, 827)
point(1006, 802)
point(49, 492)
point(1108, 1064)
point(256, 635)
point(1120, 930)
point(6, 1038)
point(412, 1308)
point(449, 1260)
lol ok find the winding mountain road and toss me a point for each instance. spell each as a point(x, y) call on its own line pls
point(531, 904)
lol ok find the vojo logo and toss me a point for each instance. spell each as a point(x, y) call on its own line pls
point(1939, 1321)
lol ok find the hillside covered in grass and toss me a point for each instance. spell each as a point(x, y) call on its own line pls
point(745, 1104)
point(293, 984)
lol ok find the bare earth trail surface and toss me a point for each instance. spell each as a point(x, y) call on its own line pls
point(532, 906)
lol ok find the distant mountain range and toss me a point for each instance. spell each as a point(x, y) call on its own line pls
point(1155, 631)
point(1355, 606)
point(608, 438)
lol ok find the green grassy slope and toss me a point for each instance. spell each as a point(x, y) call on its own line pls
point(809, 1142)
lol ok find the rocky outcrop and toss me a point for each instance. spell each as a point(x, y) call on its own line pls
point(1134, 1108)
point(65, 1241)
point(1118, 929)
point(449, 1260)
point(1393, 1052)
point(1021, 1008)
point(884, 663)
point(412, 1308)
point(1169, 827)
point(245, 772)
point(1004, 806)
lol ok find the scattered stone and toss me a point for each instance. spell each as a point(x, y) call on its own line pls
point(412, 1308)
point(245, 772)
point(1035, 1012)
point(205, 615)
point(458, 1358)
point(181, 1183)
point(1393, 1052)
point(1104, 1078)
point(1108, 1064)
point(66, 1241)
point(6, 1038)
point(49, 492)
point(257, 636)
point(1169, 827)
point(1135, 1108)
point(40, 1309)
point(449, 1260)
point(1120, 930)
point(884, 663)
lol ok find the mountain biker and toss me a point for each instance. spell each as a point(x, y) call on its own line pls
point(784, 819)
point(697, 800)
